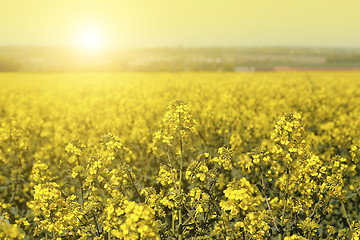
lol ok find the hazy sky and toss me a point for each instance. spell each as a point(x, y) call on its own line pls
point(137, 23)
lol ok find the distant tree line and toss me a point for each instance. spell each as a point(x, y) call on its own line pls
point(50, 59)
point(9, 65)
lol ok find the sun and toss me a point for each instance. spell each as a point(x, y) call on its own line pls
point(91, 39)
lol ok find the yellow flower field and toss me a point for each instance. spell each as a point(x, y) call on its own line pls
point(180, 155)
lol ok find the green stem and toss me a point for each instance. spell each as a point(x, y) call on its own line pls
point(285, 198)
point(172, 173)
point(134, 186)
point(173, 221)
point(346, 215)
point(267, 202)
point(80, 182)
point(96, 225)
point(180, 181)
point(216, 206)
point(103, 195)
point(81, 188)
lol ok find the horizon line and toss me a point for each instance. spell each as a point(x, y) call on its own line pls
point(183, 46)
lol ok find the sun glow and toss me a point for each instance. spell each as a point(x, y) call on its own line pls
point(91, 39)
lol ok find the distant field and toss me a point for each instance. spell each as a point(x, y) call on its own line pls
point(180, 155)
point(52, 59)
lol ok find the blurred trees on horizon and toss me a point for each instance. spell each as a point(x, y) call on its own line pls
point(176, 59)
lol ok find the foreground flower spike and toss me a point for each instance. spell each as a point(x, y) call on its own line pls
point(289, 134)
point(177, 127)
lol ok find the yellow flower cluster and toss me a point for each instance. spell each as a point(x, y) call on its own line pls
point(130, 220)
point(199, 200)
point(242, 205)
point(52, 211)
point(166, 176)
point(40, 172)
point(9, 231)
point(75, 147)
point(295, 237)
point(202, 168)
point(255, 223)
point(178, 118)
point(289, 134)
point(309, 227)
point(178, 126)
point(224, 159)
point(356, 231)
point(241, 196)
